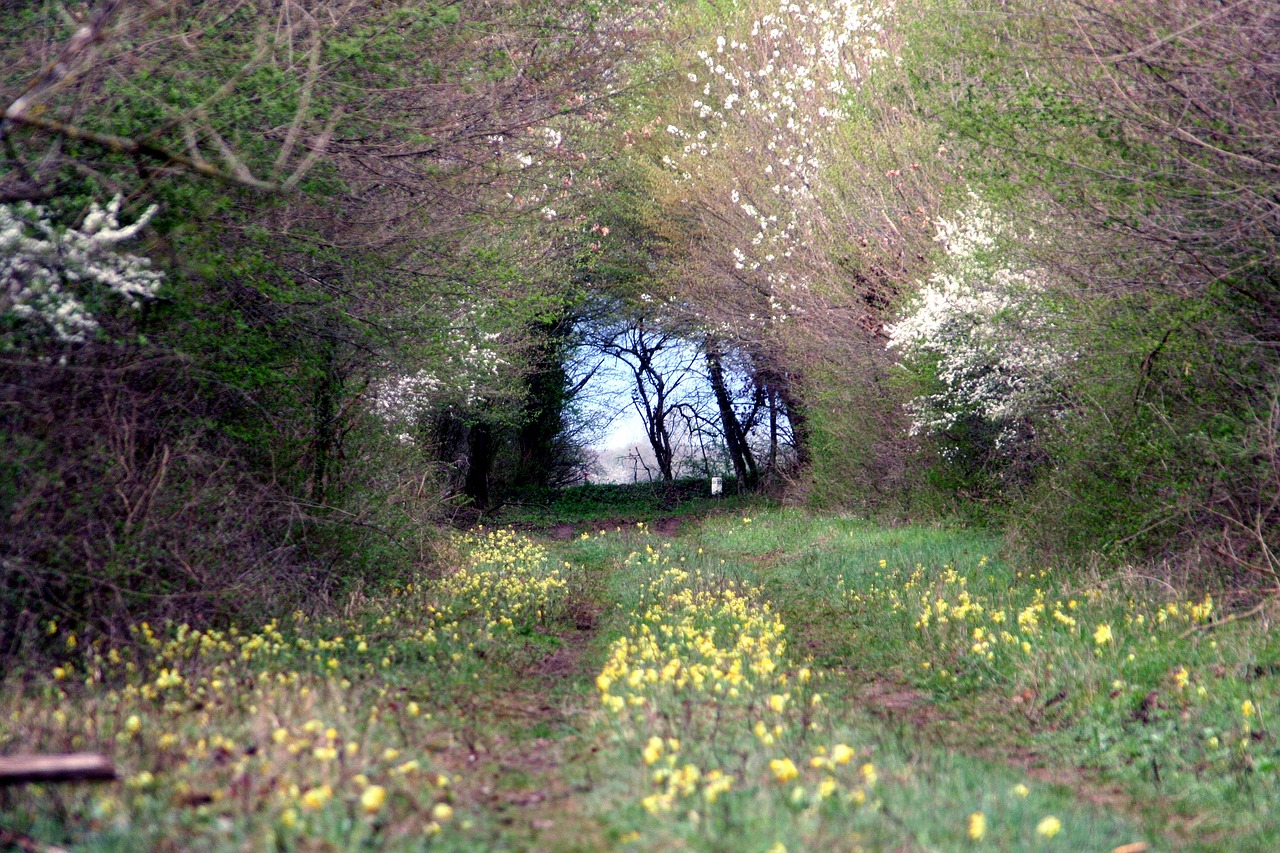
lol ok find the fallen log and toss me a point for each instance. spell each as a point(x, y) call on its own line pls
point(71, 767)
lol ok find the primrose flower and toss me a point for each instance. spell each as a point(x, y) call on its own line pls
point(1049, 827)
point(977, 826)
point(784, 769)
point(441, 812)
point(373, 799)
point(841, 753)
point(133, 725)
point(1102, 636)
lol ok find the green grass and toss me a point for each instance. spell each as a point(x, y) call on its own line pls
point(489, 676)
point(685, 498)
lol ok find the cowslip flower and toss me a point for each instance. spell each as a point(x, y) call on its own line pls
point(653, 750)
point(373, 799)
point(314, 799)
point(784, 769)
point(1049, 827)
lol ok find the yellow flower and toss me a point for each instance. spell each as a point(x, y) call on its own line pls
point(373, 799)
point(777, 702)
point(1049, 827)
point(869, 773)
point(314, 799)
point(1021, 790)
point(653, 750)
point(441, 812)
point(841, 754)
point(784, 770)
point(289, 818)
point(413, 709)
point(1247, 708)
point(133, 725)
point(1102, 636)
point(977, 826)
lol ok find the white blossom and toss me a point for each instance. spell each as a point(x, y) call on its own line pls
point(45, 271)
point(983, 331)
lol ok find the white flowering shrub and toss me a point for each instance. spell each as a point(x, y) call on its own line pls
point(760, 126)
point(982, 338)
point(470, 370)
point(46, 272)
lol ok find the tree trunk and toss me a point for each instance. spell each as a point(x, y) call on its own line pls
point(480, 453)
point(734, 438)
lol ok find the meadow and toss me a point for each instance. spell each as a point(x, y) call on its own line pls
point(764, 679)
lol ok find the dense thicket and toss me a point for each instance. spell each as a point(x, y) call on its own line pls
point(354, 279)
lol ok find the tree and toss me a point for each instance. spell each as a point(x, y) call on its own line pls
point(662, 366)
point(347, 193)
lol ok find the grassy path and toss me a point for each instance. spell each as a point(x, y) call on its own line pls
point(860, 766)
point(760, 683)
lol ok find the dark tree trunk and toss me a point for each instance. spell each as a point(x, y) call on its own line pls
point(734, 436)
point(324, 406)
point(480, 454)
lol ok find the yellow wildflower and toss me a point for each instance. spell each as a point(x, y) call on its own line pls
point(653, 750)
point(315, 798)
point(373, 799)
point(977, 826)
point(1049, 827)
point(784, 770)
point(1102, 636)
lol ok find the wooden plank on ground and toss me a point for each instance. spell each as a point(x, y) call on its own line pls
point(71, 767)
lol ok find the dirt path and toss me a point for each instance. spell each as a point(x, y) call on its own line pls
point(534, 766)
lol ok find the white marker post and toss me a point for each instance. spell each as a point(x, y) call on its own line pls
point(717, 486)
